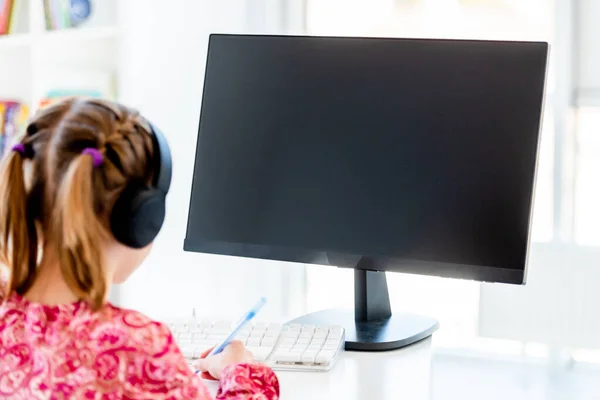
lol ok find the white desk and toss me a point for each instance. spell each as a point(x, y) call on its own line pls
point(401, 374)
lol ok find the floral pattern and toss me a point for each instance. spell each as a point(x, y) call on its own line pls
point(70, 352)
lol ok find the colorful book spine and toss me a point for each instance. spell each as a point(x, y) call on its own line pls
point(57, 14)
point(48, 15)
point(13, 118)
point(14, 16)
point(65, 7)
point(5, 14)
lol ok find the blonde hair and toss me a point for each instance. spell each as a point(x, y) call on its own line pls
point(51, 194)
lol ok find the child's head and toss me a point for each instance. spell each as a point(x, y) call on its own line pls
point(57, 191)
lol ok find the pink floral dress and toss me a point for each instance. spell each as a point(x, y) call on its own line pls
point(70, 352)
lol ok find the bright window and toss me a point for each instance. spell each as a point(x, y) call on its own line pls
point(587, 177)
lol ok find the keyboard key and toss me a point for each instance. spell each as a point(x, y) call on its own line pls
point(306, 334)
point(228, 325)
point(332, 341)
point(324, 357)
point(254, 341)
point(331, 347)
point(184, 341)
point(247, 329)
point(300, 348)
point(336, 332)
point(260, 353)
point(268, 342)
point(309, 357)
point(188, 352)
point(291, 334)
point(203, 324)
point(274, 327)
point(261, 326)
point(309, 328)
point(217, 331)
point(287, 357)
point(288, 345)
point(181, 329)
point(321, 335)
point(302, 340)
point(295, 327)
point(216, 338)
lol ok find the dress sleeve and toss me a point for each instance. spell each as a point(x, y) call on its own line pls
point(160, 371)
point(248, 381)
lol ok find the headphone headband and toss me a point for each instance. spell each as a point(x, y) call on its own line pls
point(162, 160)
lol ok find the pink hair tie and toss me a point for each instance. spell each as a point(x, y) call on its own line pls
point(19, 148)
point(97, 157)
point(26, 151)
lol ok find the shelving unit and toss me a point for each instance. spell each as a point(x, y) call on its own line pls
point(34, 61)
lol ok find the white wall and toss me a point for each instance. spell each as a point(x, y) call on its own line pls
point(587, 72)
point(162, 70)
point(558, 306)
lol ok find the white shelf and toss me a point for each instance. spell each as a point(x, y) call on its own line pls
point(15, 40)
point(71, 35)
point(59, 37)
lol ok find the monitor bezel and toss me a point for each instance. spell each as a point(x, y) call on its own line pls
point(481, 273)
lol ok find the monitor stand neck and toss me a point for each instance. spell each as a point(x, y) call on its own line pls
point(371, 296)
point(372, 326)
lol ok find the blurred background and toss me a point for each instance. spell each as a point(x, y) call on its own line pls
point(151, 55)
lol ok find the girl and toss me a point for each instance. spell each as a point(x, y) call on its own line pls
point(59, 338)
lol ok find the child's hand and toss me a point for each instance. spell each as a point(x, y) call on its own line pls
point(212, 367)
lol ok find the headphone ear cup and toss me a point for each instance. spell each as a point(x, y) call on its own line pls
point(138, 216)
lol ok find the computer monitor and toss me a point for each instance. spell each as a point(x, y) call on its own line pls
point(404, 155)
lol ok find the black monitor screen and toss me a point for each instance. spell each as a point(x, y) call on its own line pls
point(395, 149)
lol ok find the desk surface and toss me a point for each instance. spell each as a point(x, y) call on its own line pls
point(401, 374)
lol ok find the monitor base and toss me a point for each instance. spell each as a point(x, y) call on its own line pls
point(395, 332)
point(372, 326)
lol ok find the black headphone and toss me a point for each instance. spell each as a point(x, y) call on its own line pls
point(139, 212)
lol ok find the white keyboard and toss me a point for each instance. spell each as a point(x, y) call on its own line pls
point(282, 347)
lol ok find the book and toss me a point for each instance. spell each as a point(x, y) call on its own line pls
point(13, 119)
point(48, 16)
point(57, 14)
point(65, 8)
point(15, 13)
point(65, 81)
point(60, 14)
point(56, 95)
point(5, 14)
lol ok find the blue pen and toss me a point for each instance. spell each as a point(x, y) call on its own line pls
point(240, 325)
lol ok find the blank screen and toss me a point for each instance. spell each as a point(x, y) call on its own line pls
point(410, 149)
